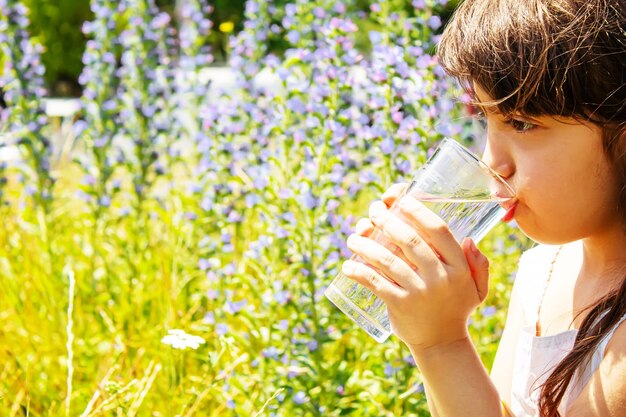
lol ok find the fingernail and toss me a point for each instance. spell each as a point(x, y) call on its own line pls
point(347, 268)
point(405, 202)
point(474, 248)
point(376, 208)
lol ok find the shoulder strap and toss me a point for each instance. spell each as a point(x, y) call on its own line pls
point(607, 338)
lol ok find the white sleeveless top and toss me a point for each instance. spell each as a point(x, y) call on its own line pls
point(537, 356)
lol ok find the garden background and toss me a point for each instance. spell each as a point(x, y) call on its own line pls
point(165, 251)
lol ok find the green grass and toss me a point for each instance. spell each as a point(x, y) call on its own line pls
point(137, 276)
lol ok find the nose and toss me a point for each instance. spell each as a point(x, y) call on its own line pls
point(497, 158)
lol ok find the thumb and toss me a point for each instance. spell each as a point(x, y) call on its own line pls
point(479, 267)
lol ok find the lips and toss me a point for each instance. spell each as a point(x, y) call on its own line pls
point(510, 210)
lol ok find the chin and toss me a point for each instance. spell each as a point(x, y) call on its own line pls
point(544, 235)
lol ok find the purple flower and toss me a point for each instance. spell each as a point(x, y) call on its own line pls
point(221, 329)
point(229, 269)
point(375, 37)
point(234, 217)
point(260, 182)
point(105, 201)
point(296, 105)
point(387, 146)
point(89, 180)
point(270, 353)
point(209, 318)
point(423, 61)
point(367, 177)
point(488, 311)
point(312, 345)
point(160, 21)
point(109, 105)
point(300, 398)
point(87, 28)
point(310, 201)
point(319, 12)
point(434, 22)
point(340, 8)
point(409, 360)
point(204, 264)
point(230, 404)
point(289, 217)
point(293, 36)
point(252, 200)
point(235, 307)
point(282, 297)
point(252, 8)
point(290, 9)
point(404, 167)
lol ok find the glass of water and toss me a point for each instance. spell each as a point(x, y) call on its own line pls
point(462, 190)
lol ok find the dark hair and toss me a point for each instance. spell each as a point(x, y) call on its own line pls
point(552, 57)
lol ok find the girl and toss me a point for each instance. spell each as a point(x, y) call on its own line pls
point(550, 80)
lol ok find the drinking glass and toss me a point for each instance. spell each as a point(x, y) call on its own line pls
point(462, 190)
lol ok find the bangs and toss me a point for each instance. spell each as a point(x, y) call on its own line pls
point(540, 57)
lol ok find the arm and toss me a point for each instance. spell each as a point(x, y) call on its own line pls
point(430, 401)
point(458, 383)
point(502, 369)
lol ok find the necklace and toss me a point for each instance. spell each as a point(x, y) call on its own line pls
point(545, 287)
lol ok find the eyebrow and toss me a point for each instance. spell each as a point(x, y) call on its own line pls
point(493, 110)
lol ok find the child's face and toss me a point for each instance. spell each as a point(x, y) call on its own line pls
point(560, 174)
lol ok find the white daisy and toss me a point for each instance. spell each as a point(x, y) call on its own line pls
point(178, 339)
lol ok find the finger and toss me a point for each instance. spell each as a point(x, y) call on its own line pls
point(433, 229)
point(479, 267)
point(382, 259)
point(393, 193)
point(370, 279)
point(413, 246)
point(364, 227)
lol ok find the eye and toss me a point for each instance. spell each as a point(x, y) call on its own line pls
point(520, 126)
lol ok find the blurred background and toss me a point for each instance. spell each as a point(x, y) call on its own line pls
point(177, 183)
point(56, 24)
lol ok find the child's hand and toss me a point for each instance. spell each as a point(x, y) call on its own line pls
point(432, 283)
point(364, 227)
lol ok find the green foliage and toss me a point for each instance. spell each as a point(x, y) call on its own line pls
point(56, 24)
point(223, 214)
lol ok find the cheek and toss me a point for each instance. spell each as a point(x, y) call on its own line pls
point(565, 204)
point(543, 195)
point(537, 186)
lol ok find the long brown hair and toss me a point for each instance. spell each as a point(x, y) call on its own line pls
point(552, 57)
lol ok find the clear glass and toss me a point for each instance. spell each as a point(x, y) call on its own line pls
point(463, 191)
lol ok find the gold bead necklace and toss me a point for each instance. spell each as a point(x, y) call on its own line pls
point(545, 287)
